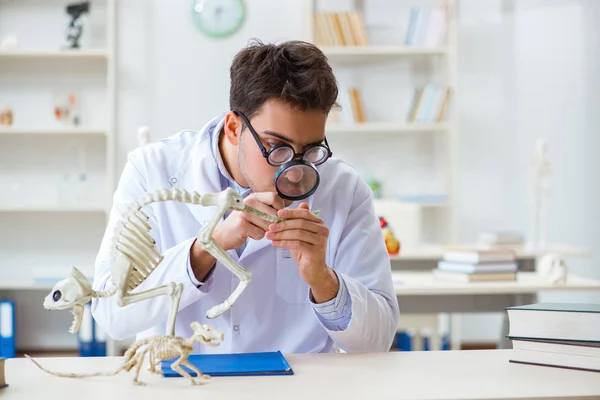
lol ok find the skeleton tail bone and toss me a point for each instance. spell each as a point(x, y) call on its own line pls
point(127, 365)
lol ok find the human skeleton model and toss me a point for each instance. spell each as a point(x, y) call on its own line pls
point(541, 171)
point(158, 348)
point(134, 257)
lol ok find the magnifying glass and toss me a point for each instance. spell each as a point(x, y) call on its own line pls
point(297, 177)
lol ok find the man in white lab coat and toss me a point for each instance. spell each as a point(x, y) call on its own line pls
point(318, 281)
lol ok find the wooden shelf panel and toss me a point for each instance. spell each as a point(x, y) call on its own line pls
point(382, 50)
point(52, 131)
point(383, 127)
point(99, 54)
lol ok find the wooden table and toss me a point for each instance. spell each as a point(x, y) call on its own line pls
point(419, 292)
point(482, 374)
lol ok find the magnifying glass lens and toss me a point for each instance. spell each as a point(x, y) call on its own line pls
point(297, 180)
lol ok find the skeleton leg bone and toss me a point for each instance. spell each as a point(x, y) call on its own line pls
point(175, 366)
point(200, 376)
point(140, 360)
point(171, 289)
point(206, 242)
point(243, 275)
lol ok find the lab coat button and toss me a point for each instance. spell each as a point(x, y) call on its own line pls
point(333, 314)
point(345, 307)
point(236, 328)
point(173, 180)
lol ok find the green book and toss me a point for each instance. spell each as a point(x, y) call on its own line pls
point(555, 321)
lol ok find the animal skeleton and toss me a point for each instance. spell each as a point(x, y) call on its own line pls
point(158, 348)
point(134, 257)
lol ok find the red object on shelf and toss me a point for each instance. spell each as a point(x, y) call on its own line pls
point(392, 244)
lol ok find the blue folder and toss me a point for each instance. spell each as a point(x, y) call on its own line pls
point(7, 329)
point(237, 364)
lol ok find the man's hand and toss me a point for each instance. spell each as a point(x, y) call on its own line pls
point(238, 226)
point(235, 229)
point(305, 234)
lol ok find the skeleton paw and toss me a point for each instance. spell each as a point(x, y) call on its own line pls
point(217, 310)
point(198, 382)
point(139, 383)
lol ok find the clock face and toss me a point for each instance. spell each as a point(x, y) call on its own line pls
point(218, 18)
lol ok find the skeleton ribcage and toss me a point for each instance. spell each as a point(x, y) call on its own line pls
point(138, 246)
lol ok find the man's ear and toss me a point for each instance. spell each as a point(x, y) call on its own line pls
point(232, 128)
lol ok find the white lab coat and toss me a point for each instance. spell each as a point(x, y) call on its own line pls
point(274, 312)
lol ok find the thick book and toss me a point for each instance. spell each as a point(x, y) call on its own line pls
point(571, 355)
point(236, 364)
point(474, 277)
point(555, 321)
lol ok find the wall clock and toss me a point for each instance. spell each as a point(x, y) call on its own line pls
point(218, 18)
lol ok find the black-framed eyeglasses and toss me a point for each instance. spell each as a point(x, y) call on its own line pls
point(280, 154)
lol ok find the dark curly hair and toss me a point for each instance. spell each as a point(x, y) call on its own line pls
point(294, 72)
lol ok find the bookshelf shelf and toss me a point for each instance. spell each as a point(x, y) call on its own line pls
point(383, 127)
point(53, 131)
point(100, 54)
point(52, 209)
point(381, 50)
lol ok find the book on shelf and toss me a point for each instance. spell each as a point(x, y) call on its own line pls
point(428, 26)
point(459, 276)
point(339, 29)
point(351, 107)
point(478, 267)
point(430, 104)
point(478, 256)
point(3, 383)
point(563, 335)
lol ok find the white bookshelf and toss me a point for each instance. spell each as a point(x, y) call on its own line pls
point(45, 228)
point(385, 146)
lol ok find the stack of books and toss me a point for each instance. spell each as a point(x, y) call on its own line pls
point(562, 335)
point(477, 265)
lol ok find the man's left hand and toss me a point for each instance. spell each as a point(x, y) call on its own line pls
point(305, 234)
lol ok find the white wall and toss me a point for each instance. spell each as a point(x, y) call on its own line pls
point(171, 76)
point(527, 73)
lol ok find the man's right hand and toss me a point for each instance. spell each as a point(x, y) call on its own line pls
point(238, 226)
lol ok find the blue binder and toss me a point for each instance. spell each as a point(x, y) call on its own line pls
point(237, 364)
point(7, 329)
